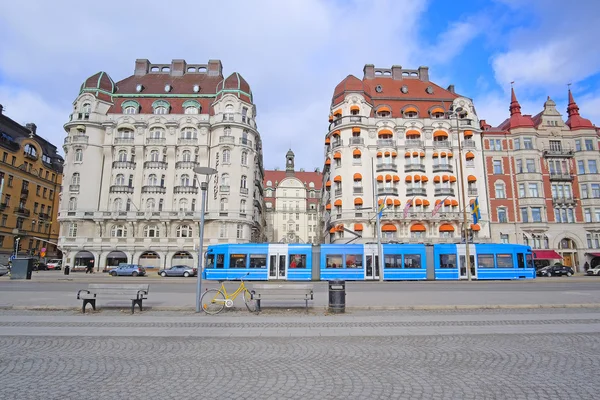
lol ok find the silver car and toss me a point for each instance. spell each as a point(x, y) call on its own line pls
point(178, 270)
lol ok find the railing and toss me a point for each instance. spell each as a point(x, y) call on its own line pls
point(121, 189)
point(227, 139)
point(443, 168)
point(186, 164)
point(416, 191)
point(442, 144)
point(338, 192)
point(24, 192)
point(387, 191)
point(159, 141)
point(43, 216)
point(243, 190)
point(336, 144)
point(414, 167)
point(348, 119)
point(123, 164)
point(386, 143)
point(186, 189)
point(124, 140)
point(79, 139)
point(357, 190)
point(554, 152)
point(155, 164)
point(23, 211)
point(245, 142)
point(184, 140)
point(3, 206)
point(444, 192)
point(357, 140)
point(413, 143)
point(74, 188)
point(224, 188)
point(472, 192)
point(469, 144)
point(357, 161)
point(387, 167)
point(31, 156)
point(563, 200)
point(561, 177)
point(154, 189)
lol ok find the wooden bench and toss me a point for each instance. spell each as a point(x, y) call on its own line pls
point(282, 292)
point(136, 293)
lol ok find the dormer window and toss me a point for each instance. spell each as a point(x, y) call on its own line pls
point(86, 109)
point(191, 107)
point(384, 112)
point(161, 107)
point(437, 113)
point(354, 110)
point(130, 107)
point(410, 112)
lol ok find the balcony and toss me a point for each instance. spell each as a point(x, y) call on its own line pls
point(123, 164)
point(156, 141)
point(30, 156)
point(43, 216)
point(561, 177)
point(186, 189)
point(442, 144)
point(224, 188)
point(357, 162)
point(469, 144)
point(386, 143)
point(565, 201)
point(24, 192)
point(243, 190)
point(124, 140)
point(416, 191)
point(391, 191)
point(3, 206)
point(414, 167)
point(443, 168)
point(186, 164)
point(22, 211)
point(472, 192)
point(337, 143)
point(357, 190)
point(444, 192)
point(154, 189)
point(188, 141)
point(74, 188)
point(414, 143)
point(245, 142)
point(557, 152)
point(226, 140)
point(121, 189)
point(337, 192)
point(155, 164)
point(357, 140)
point(77, 139)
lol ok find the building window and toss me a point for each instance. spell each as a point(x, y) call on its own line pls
point(592, 167)
point(120, 180)
point(589, 144)
point(504, 238)
point(191, 110)
point(495, 144)
point(152, 180)
point(130, 110)
point(497, 167)
point(223, 206)
point(243, 207)
point(239, 231)
point(226, 156)
point(533, 190)
point(578, 145)
point(223, 230)
point(189, 133)
point(536, 214)
point(243, 182)
point(122, 156)
point(186, 155)
point(244, 158)
point(581, 167)
point(183, 205)
point(524, 215)
point(117, 205)
point(500, 192)
point(519, 166)
point(150, 204)
point(161, 110)
point(596, 190)
point(587, 214)
point(527, 143)
point(530, 165)
point(154, 156)
point(72, 204)
point(517, 144)
point(225, 179)
point(78, 155)
point(502, 214)
point(151, 231)
point(73, 230)
point(74, 179)
point(185, 180)
point(118, 231)
point(584, 191)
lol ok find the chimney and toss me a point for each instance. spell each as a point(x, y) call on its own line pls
point(369, 71)
point(142, 66)
point(178, 67)
point(424, 74)
point(396, 72)
point(32, 127)
point(450, 88)
point(215, 68)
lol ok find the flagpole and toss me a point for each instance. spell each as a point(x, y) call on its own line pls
point(377, 224)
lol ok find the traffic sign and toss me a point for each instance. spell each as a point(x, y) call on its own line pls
point(43, 254)
point(43, 250)
point(12, 257)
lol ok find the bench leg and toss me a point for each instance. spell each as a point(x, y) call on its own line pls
point(306, 300)
point(86, 302)
point(134, 302)
point(258, 305)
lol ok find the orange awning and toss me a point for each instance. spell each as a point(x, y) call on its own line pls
point(468, 133)
point(407, 154)
point(337, 155)
point(389, 202)
point(417, 178)
point(339, 228)
point(437, 110)
point(446, 228)
point(445, 178)
point(354, 108)
point(384, 132)
point(358, 201)
point(332, 230)
point(436, 179)
point(331, 118)
point(356, 129)
point(380, 201)
point(435, 155)
point(337, 179)
point(415, 154)
point(384, 109)
point(387, 154)
point(413, 133)
point(442, 154)
point(328, 162)
point(356, 153)
point(408, 178)
point(472, 178)
point(379, 154)
point(475, 227)
point(469, 156)
point(338, 112)
point(454, 203)
point(388, 178)
point(450, 155)
point(336, 133)
point(424, 178)
point(438, 201)
point(388, 228)
point(396, 203)
point(447, 202)
point(426, 203)
point(422, 154)
point(328, 206)
point(358, 227)
point(452, 179)
point(417, 228)
point(418, 202)
point(440, 134)
point(394, 154)
point(379, 178)
point(338, 203)
point(396, 178)
point(357, 177)
point(409, 109)
point(327, 140)
point(328, 183)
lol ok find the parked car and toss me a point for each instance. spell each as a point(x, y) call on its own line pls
point(594, 271)
point(40, 267)
point(178, 270)
point(4, 270)
point(55, 264)
point(128, 270)
point(555, 270)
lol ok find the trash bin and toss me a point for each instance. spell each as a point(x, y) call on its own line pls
point(67, 270)
point(337, 296)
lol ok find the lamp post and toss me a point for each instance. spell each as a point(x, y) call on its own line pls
point(456, 113)
point(206, 171)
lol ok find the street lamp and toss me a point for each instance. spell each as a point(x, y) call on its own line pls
point(457, 112)
point(206, 171)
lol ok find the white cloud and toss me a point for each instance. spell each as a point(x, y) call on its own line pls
point(451, 42)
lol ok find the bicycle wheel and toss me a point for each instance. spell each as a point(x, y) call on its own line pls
point(249, 301)
point(213, 301)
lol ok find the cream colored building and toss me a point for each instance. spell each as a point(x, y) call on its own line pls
point(391, 140)
point(130, 193)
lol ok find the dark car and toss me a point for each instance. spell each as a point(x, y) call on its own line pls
point(40, 267)
point(178, 270)
point(555, 270)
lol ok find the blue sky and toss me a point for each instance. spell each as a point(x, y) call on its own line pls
point(293, 53)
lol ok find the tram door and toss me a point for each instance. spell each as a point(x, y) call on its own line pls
point(462, 270)
point(278, 261)
point(371, 262)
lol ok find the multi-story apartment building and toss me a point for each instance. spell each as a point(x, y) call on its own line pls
point(391, 140)
point(292, 199)
point(30, 180)
point(544, 185)
point(131, 193)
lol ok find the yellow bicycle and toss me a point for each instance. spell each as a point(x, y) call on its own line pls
point(214, 300)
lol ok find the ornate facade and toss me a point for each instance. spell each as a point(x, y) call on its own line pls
point(131, 194)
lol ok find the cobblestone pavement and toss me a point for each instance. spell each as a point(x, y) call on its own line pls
point(424, 364)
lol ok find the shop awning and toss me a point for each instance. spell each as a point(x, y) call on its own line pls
point(452, 179)
point(338, 203)
point(413, 133)
point(469, 156)
point(332, 230)
point(450, 155)
point(409, 109)
point(379, 178)
point(418, 202)
point(357, 177)
point(335, 133)
point(472, 178)
point(475, 227)
point(337, 155)
point(388, 178)
point(358, 201)
point(331, 118)
point(356, 129)
point(468, 133)
point(358, 227)
point(337, 179)
point(422, 154)
point(338, 112)
point(546, 255)
point(425, 203)
point(437, 110)
point(384, 109)
point(438, 134)
point(388, 228)
point(408, 178)
point(407, 154)
point(454, 203)
point(379, 154)
point(389, 202)
point(396, 178)
point(396, 203)
point(446, 228)
point(356, 153)
point(417, 178)
point(417, 228)
point(354, 108)
point(327, 141)
point(394, 154)
point(328, 162)
point(435, 155)
point(415, 154)
point(328, 183)
point(387, 154)
point(385, 132)
point(328, 206)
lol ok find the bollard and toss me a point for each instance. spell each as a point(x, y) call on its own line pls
point(337, 296)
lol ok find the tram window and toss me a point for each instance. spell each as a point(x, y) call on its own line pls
point(354, 261)
point(412, 261)
point(258, 261)
point(210, 261)
point(529, 261)
point(505, 260)
point(520, 260)
point(297, 260)
point(393, 261)
point(220, 260)
point(237, 261)
point(485, 260)
point(334, 261)
point(447, 260)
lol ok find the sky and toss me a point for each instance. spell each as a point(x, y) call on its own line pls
point(293, 53)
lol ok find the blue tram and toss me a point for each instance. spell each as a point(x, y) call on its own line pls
point(358, 262)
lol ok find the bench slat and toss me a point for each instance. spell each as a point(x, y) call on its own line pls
point(99, 286)
point(283, 287)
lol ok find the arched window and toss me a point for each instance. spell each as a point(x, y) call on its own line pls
point(227, 131)
point(122, 155)
point(229, 108)
point(75, 179)
point(269, 183)
point(190, 110)
point(118, 204)
point(72, 204)
point(154, 156)
point(184, 231)
point(161, 110)
point(311, 185)
point(30, 150)
point(125, 133)
point(73, 229)
point(128, 205)
point(224, 204)
point(226, 156)
point(86, 108)
point(152, 180)
point(151, 231)
point(500, 192)
point(130, 110)
point(269, 193)
point(118, 231)
point(186, 155)
point(244, 158)
point(120, 180)
point(185, 180)
point(157, 133)
point(244, 181)
point(225, 179)
point(183, 205)
point(243, 206)
point(78, 155)
point(193, 204)
point(150, 204)
point(189, 133)
point(191, 107)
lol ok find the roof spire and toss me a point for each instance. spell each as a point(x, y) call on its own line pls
point(515, 107)
point(572, 108)
point(575, 120)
